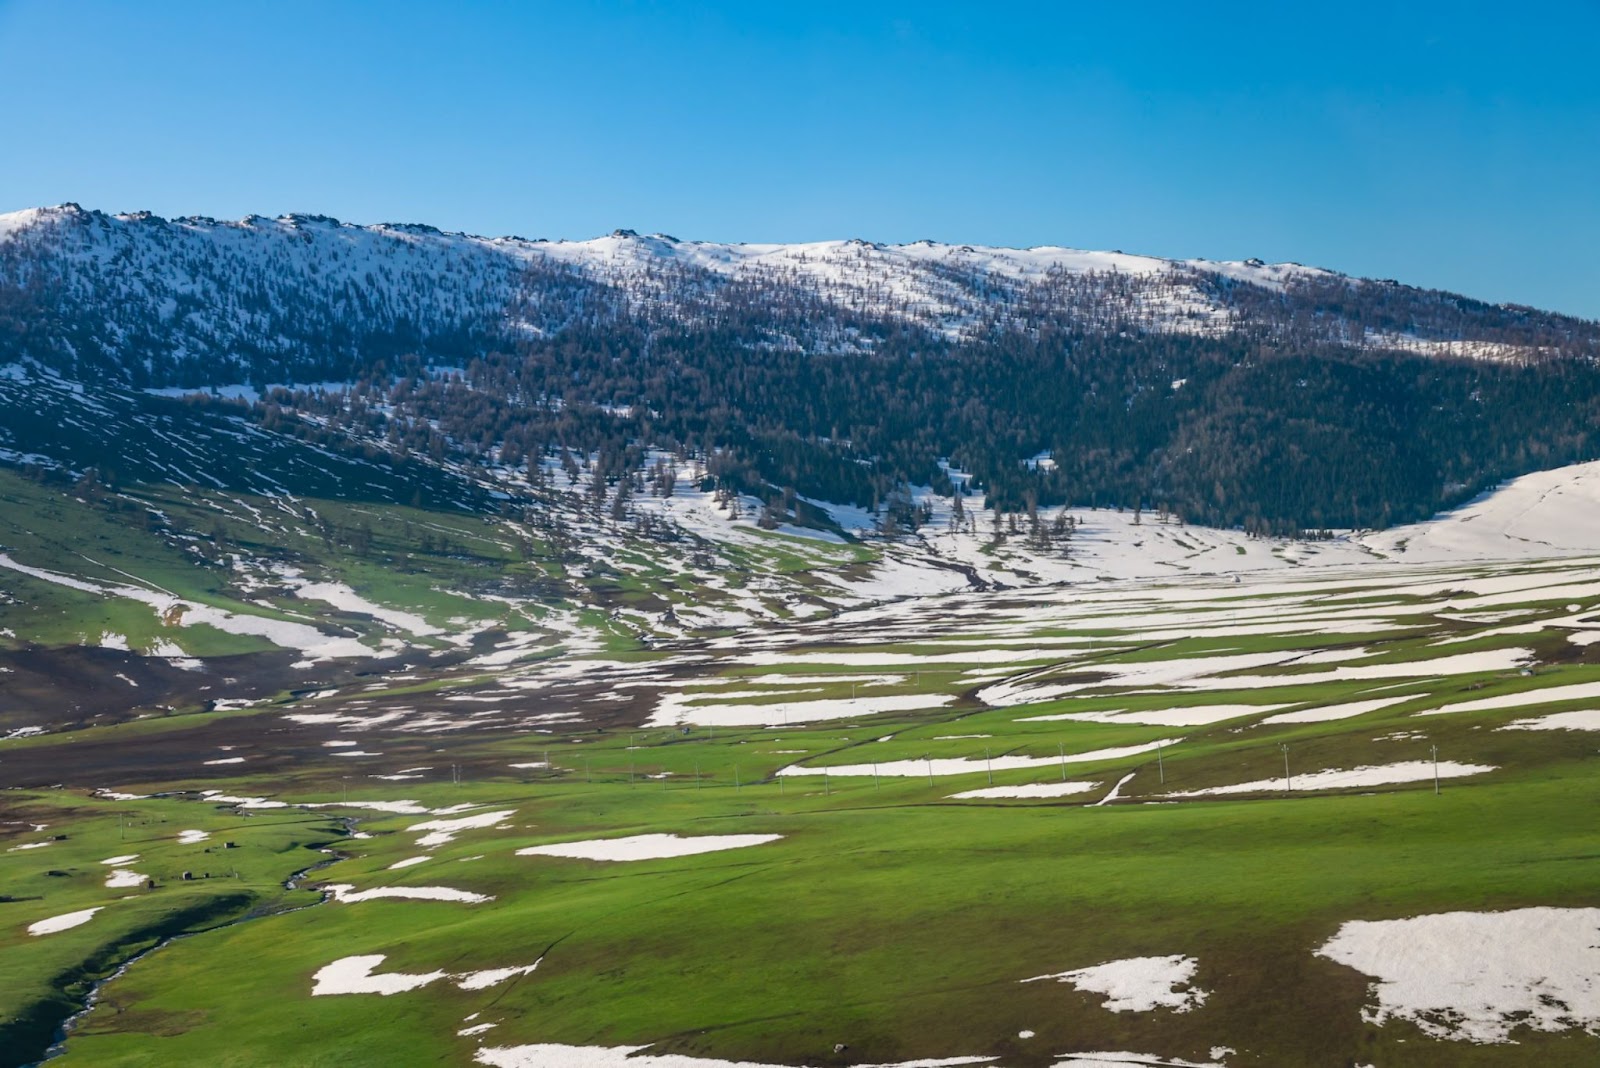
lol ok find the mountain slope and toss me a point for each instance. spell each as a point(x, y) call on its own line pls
point(195, 300)
point(1276, 398)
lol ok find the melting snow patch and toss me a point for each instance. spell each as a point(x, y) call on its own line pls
point(191, 837)
point(1587, 720)
point(1128, 1060)
point(442, 831)
point(63, 922)
point(1333, 779)
point(354, 975)
point(121, 878)
point(957, 766)
point(493, 976)
point(675, 709)
point(648, 846)
point(346, 893)
point(1138, 984)
point(1037, 789)
point(1329, 713)
point(1476, 976)
point(550, 1055)
point(243, 802)
point(406, 863)
point(126, 858)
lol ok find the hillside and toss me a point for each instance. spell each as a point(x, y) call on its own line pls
point(1271, 397)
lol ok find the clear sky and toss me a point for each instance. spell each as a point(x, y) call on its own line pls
point(1453, 144)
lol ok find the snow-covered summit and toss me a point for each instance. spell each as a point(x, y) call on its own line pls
point(198, 297)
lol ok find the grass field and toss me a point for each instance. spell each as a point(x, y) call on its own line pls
point(890, 921)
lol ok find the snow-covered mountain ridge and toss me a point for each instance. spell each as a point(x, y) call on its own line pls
point(191, 300)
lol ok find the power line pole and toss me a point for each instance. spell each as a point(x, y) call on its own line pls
point(1288, 783)
point(1435, 750)
point(988, 765)
point(1161, 768)
point(1061, 751)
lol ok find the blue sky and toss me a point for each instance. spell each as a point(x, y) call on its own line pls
point(1455, 146)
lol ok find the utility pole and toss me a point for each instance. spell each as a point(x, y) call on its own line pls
point(1288, 783)
point(988, 765)
point(1061, 750)
point(929, 759)
point(1161, 768)
point(874, 774)
point(1435, 750)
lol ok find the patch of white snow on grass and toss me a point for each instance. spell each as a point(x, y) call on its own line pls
point(551, 1055)
point(1477, 976)
point(959, 766)
point(1335, 779)
point(1586, 720)
point(648, 846)
point(675, 709)
point(122, 878)
point(1329, 713)
point(1034, 789)
point(355, 975)
point(1129, 1060)
point(345, 893)
point(442, 831)
point(1138, 984)
point(63, 922)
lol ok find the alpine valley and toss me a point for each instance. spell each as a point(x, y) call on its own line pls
point(420, 648)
